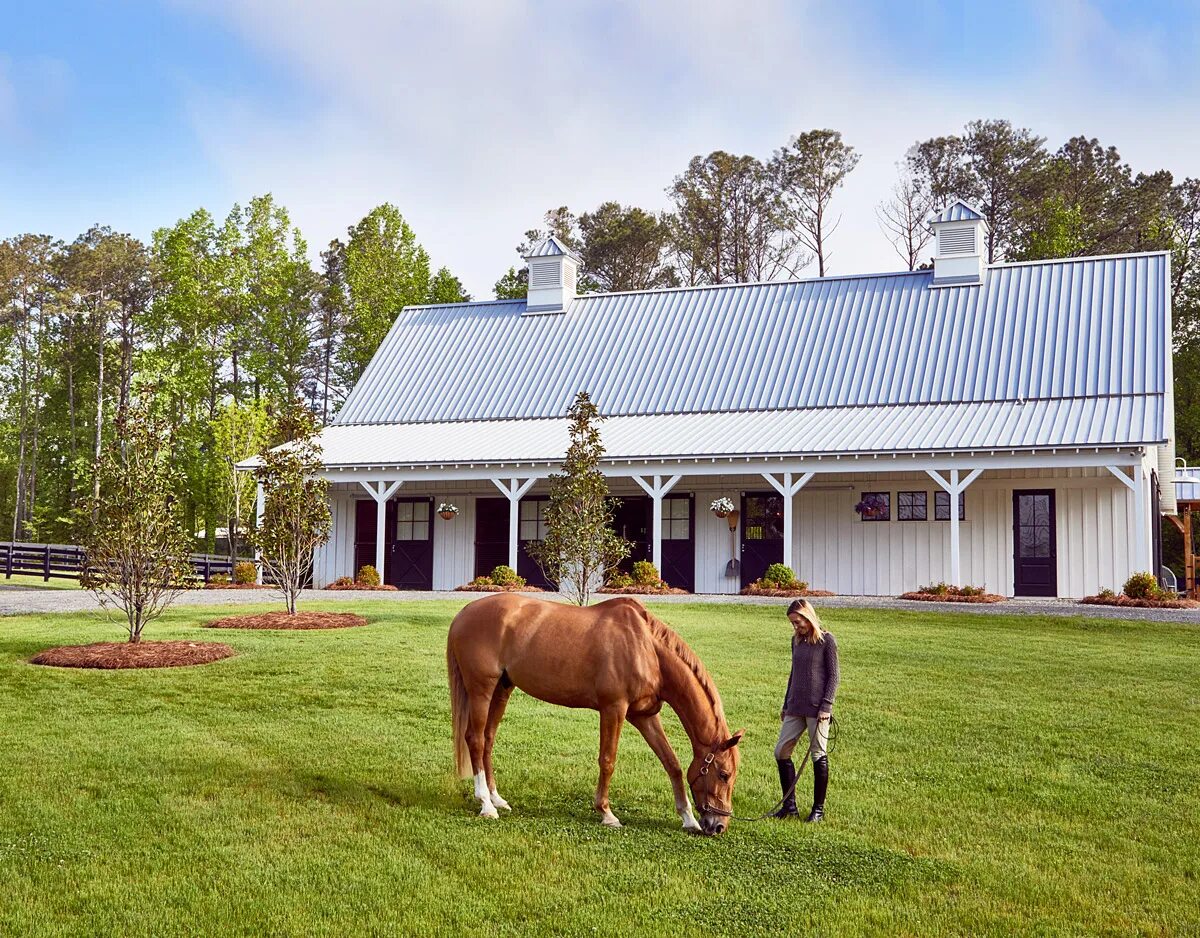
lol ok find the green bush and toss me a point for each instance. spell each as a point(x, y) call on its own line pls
point(619, 580)
point(367, 576)
point(646, 574)
point(505, 575)
point(1142, 586)
point(781, 577)
point(1106, 593)
point(219, 579)
point(245, 572)
point(482, 581)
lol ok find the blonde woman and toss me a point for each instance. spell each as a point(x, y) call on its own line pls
point(807, 707)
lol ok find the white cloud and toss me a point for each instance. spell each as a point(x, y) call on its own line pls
point(475, 118)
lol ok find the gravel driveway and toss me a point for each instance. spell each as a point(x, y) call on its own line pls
point(15, 600)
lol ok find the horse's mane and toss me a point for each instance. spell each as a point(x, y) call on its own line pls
point(667, 636)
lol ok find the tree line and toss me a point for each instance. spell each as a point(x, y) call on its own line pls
point(227, 320)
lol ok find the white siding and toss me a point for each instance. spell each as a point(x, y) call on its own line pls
point(454, 543)
point(335, 557)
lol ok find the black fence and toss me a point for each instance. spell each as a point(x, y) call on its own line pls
point(64, 561)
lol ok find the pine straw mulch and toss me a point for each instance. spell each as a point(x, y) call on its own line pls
point(237, 586)
point(281, 619)
point(493, 588)
point(753, 590)
point(953, 597)
point(381, 588)
point(112, 655)
point(642, 590)
point(1129, 601)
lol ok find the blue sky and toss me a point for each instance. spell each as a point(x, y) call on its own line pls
point(474, 118)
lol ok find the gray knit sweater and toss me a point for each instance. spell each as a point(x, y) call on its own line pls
point(814, 678)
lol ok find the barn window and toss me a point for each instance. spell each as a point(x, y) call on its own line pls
point(412, 520)
point(677, 518)
point(875, 506)
point(912, 506)
point(941, 506)
point(533, 518)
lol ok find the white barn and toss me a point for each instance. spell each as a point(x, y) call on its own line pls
point(844, 416)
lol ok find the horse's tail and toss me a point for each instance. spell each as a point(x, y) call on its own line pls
point(458, 715)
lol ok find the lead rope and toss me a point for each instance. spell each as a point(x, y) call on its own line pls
point(833, 727)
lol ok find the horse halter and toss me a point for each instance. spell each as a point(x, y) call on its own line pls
point(694, 775)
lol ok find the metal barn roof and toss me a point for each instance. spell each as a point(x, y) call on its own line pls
point(1082, 342)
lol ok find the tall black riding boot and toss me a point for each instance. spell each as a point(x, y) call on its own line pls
point(820, 786)
point(787, 781)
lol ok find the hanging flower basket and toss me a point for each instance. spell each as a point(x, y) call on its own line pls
point(448, 511)
point(721, 507)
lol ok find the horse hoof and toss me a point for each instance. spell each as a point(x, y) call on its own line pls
point(500, 803)
point(489, 811)
point(610, 820)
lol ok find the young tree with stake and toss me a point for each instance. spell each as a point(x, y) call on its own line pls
point(580, 545)
point(137, 550)
point(296, 518)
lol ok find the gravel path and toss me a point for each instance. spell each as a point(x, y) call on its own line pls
point(16, 600)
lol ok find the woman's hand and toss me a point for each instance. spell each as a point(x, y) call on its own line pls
point(824, 715)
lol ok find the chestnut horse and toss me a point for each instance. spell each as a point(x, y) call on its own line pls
point(614, 657)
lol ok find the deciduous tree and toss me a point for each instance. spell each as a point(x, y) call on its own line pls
point(809, 170)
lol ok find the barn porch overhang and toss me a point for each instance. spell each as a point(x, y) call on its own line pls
point(952, 472)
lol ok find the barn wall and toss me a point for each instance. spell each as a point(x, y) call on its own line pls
point(335, 557)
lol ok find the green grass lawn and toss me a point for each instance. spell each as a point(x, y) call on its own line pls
point(993, 775)
point(25, 579)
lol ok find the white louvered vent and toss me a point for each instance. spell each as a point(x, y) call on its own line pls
point(957, 241)
point(544, 274)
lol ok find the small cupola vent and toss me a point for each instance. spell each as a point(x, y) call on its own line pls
point(960, 230)
point(552, 277)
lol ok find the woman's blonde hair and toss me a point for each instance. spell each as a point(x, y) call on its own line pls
point(803, 608)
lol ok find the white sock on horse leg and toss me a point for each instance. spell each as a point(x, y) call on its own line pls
point(487, 809)
point(498, 801)
point(689, 819)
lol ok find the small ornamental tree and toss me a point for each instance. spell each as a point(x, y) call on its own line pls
point(137, 549)
point(580, 545)
point(296, 518)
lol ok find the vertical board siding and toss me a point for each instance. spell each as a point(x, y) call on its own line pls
point(832, 548)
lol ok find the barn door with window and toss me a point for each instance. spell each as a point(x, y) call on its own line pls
point(532, 527)
point(678, 542)
point(1035, 548)
point(411, 566)
point(631, 520)
point(762, 534)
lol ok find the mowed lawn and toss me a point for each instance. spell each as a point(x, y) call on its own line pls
point(992, 775)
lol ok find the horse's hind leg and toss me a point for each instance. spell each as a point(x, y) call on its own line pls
point(611, 719)
point(480, 705)
point(495, 714)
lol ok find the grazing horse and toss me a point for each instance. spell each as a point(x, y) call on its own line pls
point(614, 657)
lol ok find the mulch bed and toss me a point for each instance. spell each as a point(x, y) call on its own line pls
point(383, 587)
point(112, 655)
point(642, 590)
point(236, 586)
point(953, 598)
point(787, 594)
point(1123, 600)
point(282, 620)
point(493, 588)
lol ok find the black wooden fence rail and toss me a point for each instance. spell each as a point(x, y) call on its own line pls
point(65, 561)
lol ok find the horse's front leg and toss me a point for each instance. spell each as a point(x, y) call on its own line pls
point(651, 729)
point(611, 719)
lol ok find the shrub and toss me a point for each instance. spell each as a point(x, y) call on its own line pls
point(781, 577)
point(505, 575)
point(367, 575)
point(646, 574)
point(482, 581)
point(245, 572)
point(1142, 586)
point(619, 580)
point(936, 589)
point(1106, 593)
point(343, 581)
point(219, 579)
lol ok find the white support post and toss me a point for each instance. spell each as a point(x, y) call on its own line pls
point(954, 488)
point(381, 491)
point(656, 491)
point(513, 492)
point(788, 489)
point(1144, 561)
point(260, 507)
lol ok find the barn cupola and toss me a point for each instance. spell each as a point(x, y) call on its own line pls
point(552, 273)
point(960, 234)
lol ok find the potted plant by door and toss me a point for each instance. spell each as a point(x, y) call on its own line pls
point(448, 511)
point(721, 507)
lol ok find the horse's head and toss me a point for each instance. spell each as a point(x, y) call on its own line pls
point(711, 776)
